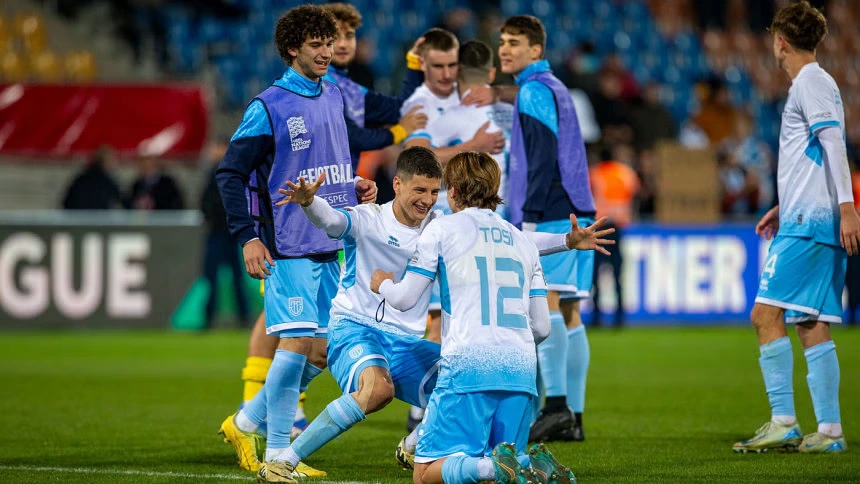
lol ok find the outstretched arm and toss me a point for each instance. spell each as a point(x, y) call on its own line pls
point(333, 222)
point(579, 238)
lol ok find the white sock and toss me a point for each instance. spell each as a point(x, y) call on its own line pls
point(416, 412)
point(412, 440)
point(282, 455)
point(244, 423)
point(300, 414)
point(486, 471)
point(833, 430)
point(784, 420)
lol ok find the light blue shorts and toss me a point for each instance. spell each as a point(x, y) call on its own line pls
point(570, 273)
point(473, 423)
point(298, 297)
point(412, 362)
point(805, 278)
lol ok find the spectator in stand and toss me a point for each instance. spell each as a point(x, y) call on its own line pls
point(615, 66)
point(94, 188)
point(611, 113)
point(717, 116)
point(651, 120)
point(581, 69)
point(754, 156)
point(220, 248)
point(614, 185)
point(739, 186)
point(154, 189)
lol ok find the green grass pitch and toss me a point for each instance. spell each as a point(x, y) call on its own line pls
point(664, 405)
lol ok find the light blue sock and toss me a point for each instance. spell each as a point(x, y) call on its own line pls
point(823, 380)
point(578, 359)
point(282, 393)
point(552, 353)
point(310, 372)
point(777, 367)
point(524, 460)
point(255, 409)
point(460, 469)
point(336, 419)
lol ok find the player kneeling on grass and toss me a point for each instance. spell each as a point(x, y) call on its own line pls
point(494, 311)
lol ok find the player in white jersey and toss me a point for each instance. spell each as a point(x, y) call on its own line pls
point(376, 352)
point(463, 122)
point(439, 93)
point(804, 273)
point(494, 312)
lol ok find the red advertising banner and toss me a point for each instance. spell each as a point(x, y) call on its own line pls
point(53, 121)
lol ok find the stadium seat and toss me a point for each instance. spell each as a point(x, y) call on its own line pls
point(31, 30)
point(46, 67)
point(80, 66)
point(13, 67)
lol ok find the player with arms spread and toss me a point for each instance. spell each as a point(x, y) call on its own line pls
point(376, 352)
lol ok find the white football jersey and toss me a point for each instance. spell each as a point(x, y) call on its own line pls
point(374, 239)
point(487, 271)
point(807, 192)
point(433, 105)
point(459, 123)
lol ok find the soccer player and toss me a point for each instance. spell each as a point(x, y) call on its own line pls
point(548, 177)
point(463, 122)
point(488, 368)
point(814, 224)
point(293, 129)
point(438, 94)
point(375, 352)
point(361, 107)
point(365, 108)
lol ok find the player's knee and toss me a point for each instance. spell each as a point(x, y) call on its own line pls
point(763, 316)
point(382, 395)
point(375, 389)
point(420, 476)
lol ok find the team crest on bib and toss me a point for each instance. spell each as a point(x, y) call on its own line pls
point(296, 125)
point(295, 305)
point(356, 352)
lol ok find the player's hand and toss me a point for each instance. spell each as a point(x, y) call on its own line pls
point(377, 278)
point(480, 96)
point(303, 194)
point(487, 142)
point(416, 47)
point(588, 238)
point(769, 224)
point(365, 191)
point(414, 119)
point(849, 228)
point(256, 256)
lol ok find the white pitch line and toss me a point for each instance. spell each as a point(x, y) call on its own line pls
point(134, 472)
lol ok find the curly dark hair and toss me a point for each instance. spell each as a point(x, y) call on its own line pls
point(302, 23)
point(802, 25)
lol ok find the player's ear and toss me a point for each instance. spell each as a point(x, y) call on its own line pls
point(396, 183)
point(491, 78)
